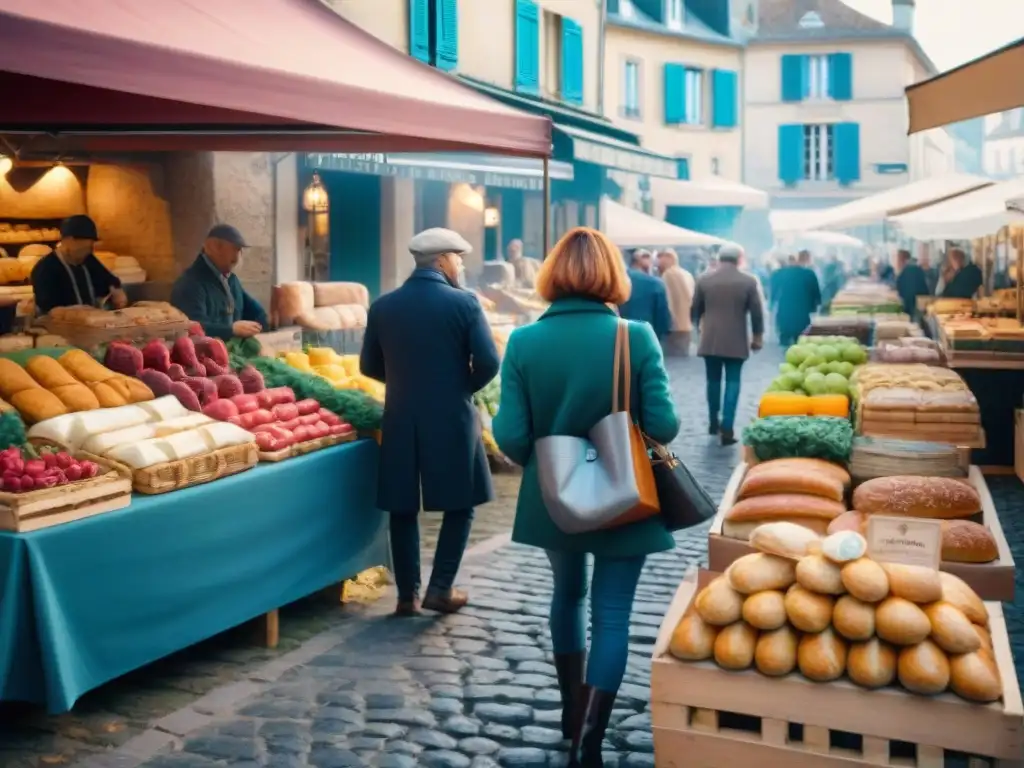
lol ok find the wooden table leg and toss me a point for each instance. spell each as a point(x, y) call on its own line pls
point(272, 628)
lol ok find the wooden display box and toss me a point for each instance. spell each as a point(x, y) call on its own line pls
point(706, 717)
point(992, 581)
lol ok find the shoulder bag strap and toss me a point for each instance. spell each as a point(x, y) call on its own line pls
point(617, 368)
point(627, 373)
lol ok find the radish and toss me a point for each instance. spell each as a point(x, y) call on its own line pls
point(28, 483)
point(12, 484)
point(35, 467)
point(90, 469)
point(49, 459)
point(64, 460)
point(73, 473)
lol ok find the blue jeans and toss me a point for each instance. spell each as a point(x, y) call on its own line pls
point(405, 552)
point(611, 602)
point(733, 367)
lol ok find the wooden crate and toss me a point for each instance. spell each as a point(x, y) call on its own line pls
point(30, 511)
point(307, 446)
point(992, 581)
point(706, 717)
point(184, 473)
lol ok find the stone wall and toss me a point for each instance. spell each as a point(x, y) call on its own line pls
point(38, 193)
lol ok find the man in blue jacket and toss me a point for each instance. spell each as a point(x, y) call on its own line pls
point(210, 293)
point(648, 301)
point(429, 341)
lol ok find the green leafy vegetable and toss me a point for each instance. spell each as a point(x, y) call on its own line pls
point(12, 430)
point(812, 437)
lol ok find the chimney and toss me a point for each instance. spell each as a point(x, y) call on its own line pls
point(903, 15)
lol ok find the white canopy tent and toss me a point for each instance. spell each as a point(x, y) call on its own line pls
point(707, 193)
point(824, 237)
point(979, 213)
point(903, 199)
point(629, 228)
point(793, 221)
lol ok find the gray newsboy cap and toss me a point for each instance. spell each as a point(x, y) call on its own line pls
point(432, 243)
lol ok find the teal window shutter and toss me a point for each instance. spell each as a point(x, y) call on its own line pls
point(840, 76)
point(793, 77)
point(847, 152)
point(527, 46)
point(419, 30)
point(446, 34)
point(675, 94)
point(791, 154)
point(572, 61)
point(683, 168)
point(723, 85)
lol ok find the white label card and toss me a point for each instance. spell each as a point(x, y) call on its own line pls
point(905, 540)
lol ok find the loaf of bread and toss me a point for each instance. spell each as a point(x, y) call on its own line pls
point(76, 397)
point(901, 622)
point(844, 547)
point(811, 512)
point(854, 619)
point(808, 611)
point(37, 404)
point(958, 593)
point(719, 604)
point(866, 580)
point(936, 497)
point(48, 372)
point(803, 467)
point(984, 637)
point(84, 367)
point(783, 480)
point(734, 646)
point(913, 582)
point(951, 630)
point(784, 540)
point(964, 541)
point(819, 574)
point(871, 663)
point(822, 656)
point(14, 379)
point(923, 668)
point(765, 610)
point(849, 521)
point(775, 652)
point(693, 638)
point(758, 572)
point(975, 676)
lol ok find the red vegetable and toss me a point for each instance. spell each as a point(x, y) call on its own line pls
point(35, 467)
point(89, 469)
point(309, 405)
point(185, 396)
point(321, 429)
point(197, 371)
point(47, 481)
point(64, 460)
point(252, 379)
point(28, 483)
point(286, 411)
point(262, 416)
point(196, 330)
point(157, 381)
point(341, 429)
point(265, 398)
point(236, 420)
point(246, 403)
point(205, 389)
point(124, 358)
point(215, 349)
point(156, 355)
point(222, 410)
point(330, 418)
point(213, 368)
point(73, 473)
point(291, 423)
point(49, 459)
point(228, 385)
point(184, 352)
point(281, 395)
point(264, 441)
point(302, 434)
point(11, 483)
point(175, 372)
point(309, 419)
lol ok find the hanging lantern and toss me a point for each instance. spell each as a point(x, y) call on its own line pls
point(314, 197)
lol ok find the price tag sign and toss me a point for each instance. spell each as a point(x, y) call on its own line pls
point(905, 540)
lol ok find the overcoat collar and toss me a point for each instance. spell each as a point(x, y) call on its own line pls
point(576, 304)
point(428, 273)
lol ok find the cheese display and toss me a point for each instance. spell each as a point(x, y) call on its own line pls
point(877, 624)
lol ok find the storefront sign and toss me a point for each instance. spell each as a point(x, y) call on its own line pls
point(910, 541)
point(379, 164)
point(623, 159)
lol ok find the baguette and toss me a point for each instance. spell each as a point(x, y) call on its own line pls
point(782, 480)
point(803, 467)
point(944, 498)
point(811, 512)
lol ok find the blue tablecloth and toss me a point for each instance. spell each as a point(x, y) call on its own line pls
point(86, 602)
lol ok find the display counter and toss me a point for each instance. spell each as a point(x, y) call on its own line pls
point(86, 602)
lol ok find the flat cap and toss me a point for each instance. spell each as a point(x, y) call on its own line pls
point(228, 234)
point(431, 243)
point(80, 226)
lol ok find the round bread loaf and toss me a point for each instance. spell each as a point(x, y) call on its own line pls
point(758, 572)
point(935, 497)
point(964, 541)
point(844, 546)
point(853, 619)
point(866, 580)
point(765, 610)
point(975, 677)
point(822, 656)
point(782, 480)
point(808, 611)
point(734, 646)
point(693, 638)
point(775, 652)
point(923, 668)
point(719, 604)
point(901, 622)
point(959, 593)
point(871, 663)
point(819, 574)
point(784, 540)
point(951, 630)
point(913, 582)
point(803, 467)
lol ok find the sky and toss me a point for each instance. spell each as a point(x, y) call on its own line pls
point(956, 31)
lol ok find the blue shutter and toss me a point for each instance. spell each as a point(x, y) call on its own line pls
point(840, 76)
point(446, 34)
point(723, 112)
point(793, 77)
point(419, 30)
point(683, 168)
point(572, 61)
point(527, 46)
point(675, 94)
point(791, 154)
point(846, 157)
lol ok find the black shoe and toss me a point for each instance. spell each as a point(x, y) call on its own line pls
point(728, 438)
point(589, 737)
point(569, 667)
point(713, 428)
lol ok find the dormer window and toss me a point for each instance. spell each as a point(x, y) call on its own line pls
point(811, 20)
point(626, 10)
point(674, 14)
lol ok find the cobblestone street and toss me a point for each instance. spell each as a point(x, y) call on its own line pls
point(358, 688)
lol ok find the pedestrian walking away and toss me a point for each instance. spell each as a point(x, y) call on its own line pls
point(679, 287)
point(549, 387)
point(723, 300)
point(795, 294)
point(648, 301)
point(430, 343)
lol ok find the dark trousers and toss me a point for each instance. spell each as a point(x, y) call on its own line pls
point(714, 367)
point(405, 552)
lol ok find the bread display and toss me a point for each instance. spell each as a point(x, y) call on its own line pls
point(802, 467)
point(735, 645)
point(931, 497)
point(853, 619)
point(913, 582)
point(871, 663)
point(819, 574)
point(951, 629)
point(765, 610)
point(719, 604)
point(693, 639)
point(963, 541)
point(901, 622)
point(784, 540)
point(781, 480)
point(808, 611)
point(140, 314)
point(959, 594)
point(975, 677)
point(866, 580)
point(758, 572)
point(923, 668)
point(844, 547)
point(822, 656)
point(775, 652)
point(812, 512)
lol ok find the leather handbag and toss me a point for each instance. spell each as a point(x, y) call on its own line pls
point(683, 500)
point(606, 479)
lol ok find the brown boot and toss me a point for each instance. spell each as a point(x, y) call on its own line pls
point(446, 602)
point(408, 608)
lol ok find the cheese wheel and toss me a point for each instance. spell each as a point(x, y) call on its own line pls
point(913, 582)
point(951, 630)
point(854, 619)
point(923, 668)
point(822, 656)
point(819, 574)
point(901, 622)
point(775, 652)
point(719, 604)
point(693, 639)
point(734, 646)
point(808, 611)
point(866, 580)
point(765, 610)
point(758, 572)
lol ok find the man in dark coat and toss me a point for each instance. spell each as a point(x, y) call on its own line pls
point(71, 274)
point(962, 279)
point(911, 282)
point(796, 294)
point(648, 301)
point(430, 343)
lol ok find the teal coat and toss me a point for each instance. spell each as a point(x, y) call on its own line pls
point(556, 379)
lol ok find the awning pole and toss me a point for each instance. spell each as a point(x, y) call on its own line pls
point(547, 208)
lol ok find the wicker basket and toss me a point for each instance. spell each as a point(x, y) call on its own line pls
point(175, 475)
point(89, 338)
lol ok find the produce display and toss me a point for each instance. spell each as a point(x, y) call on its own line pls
point(819, 365)
point(813, 437)
point(342, 371)
point(866, 297)
point(23, 470)
point(826, 610)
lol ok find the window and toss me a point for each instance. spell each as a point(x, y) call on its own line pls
point(674, 13)
point(811, 20)
point(716, 166)
point(694, 96)
point(626, 9)
point(684, 95)
point(434, 32)
point(631, 89)
point(819, 152)
point(817, 77)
